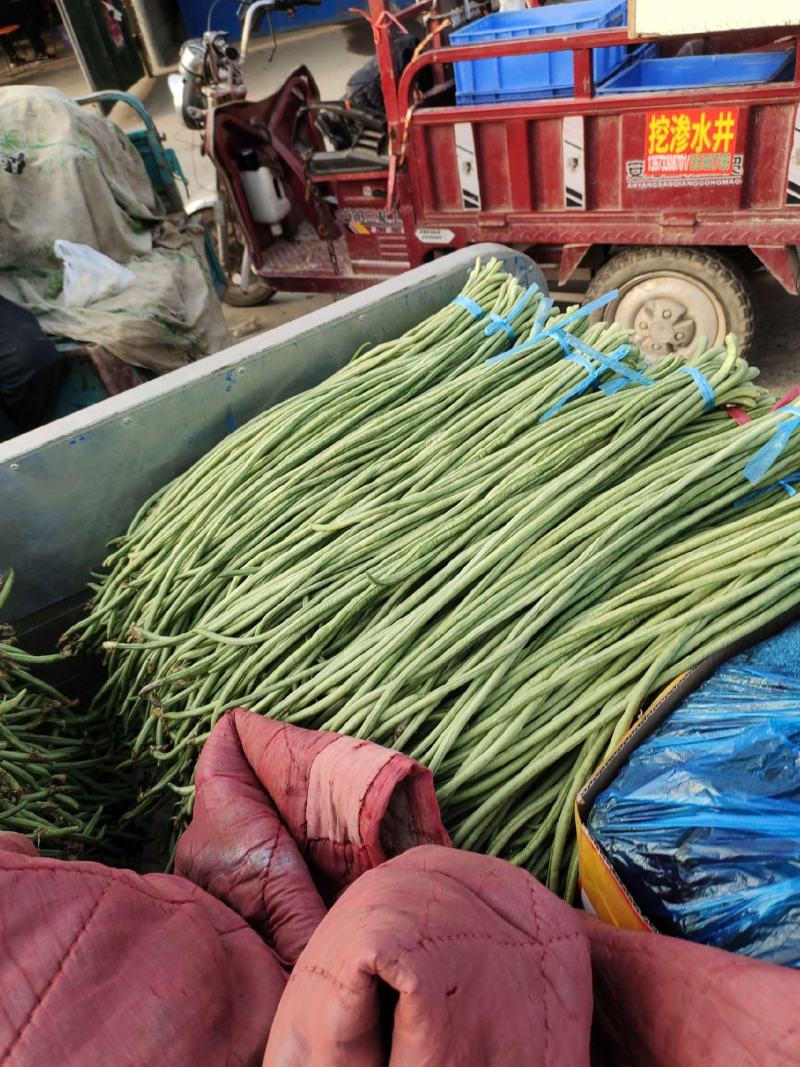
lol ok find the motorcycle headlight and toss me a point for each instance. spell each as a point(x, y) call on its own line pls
point(192, 58)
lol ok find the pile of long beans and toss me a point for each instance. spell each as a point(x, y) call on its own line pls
point(432, 549)
point(49, 787)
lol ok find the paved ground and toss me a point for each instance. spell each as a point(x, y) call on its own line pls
point(332, 53)
point(776, 351)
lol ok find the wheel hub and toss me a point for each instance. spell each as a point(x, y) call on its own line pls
point(668, 313)
point(665, 325)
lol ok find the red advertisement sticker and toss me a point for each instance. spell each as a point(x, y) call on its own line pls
point(695, 142)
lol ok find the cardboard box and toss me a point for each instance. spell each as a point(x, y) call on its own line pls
point(601, 890)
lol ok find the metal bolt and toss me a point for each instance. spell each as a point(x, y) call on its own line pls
point(666, 314)
point(127, 421)
point(14, 467)
point(362, 318)
point(240, 370)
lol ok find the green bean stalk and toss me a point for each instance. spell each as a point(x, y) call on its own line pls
point(439, 553)
point(49, 787)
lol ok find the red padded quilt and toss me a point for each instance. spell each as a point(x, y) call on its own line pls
point(285, 937)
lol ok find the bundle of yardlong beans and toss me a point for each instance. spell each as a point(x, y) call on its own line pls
point(48, 781)
point(474, 559)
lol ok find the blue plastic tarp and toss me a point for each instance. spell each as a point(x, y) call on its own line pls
point(702, 824)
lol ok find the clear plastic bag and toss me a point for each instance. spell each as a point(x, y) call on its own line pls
point(90, 276)
point(702, 824)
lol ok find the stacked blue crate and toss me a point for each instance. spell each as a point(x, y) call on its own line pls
point(535, 76)
point(694, 72)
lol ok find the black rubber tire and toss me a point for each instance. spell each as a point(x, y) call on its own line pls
point(258, 292)
point(714, 271)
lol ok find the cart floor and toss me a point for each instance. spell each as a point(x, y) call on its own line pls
point(308, 253)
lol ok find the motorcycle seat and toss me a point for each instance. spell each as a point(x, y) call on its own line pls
point(347, 161)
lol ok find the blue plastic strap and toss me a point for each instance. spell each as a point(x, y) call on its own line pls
point(541, 316)
point(563, 340)
point(500, 322)
point(585, 355)
point(497, 322)
point(785, 483)
point(472, 306)
point(703, 384)
point(582, 312)
point(577, 390)
point(558, 328)
point(761, 462)
point(614, 386)
point(612, 362)
point(532, 290)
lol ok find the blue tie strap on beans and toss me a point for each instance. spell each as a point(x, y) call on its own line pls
point(612, 362)
point(561, 336)
point(499, 322)
point(766, 456)
point(704, 386)
point(597, 363)
point(787, 483)
point(577, 390)
point(581, 312)
point(472, 306)
point(613, 386)
point(626, 375)
point(526, 347)
point(542, 314)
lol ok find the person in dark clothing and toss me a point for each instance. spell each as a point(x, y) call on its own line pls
point(31, 372)
point(8, 46)
point(28, 15)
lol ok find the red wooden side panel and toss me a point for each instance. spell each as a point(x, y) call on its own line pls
point(639, 177)
point(545, 145)
point(771, 131)
point(603, 163)
point(494, 167)
point(439, 154)
point(520, 157)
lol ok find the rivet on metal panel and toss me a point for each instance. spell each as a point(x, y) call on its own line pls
point(240, 370)
point(127, 421)
point(13, 467)
point(362, 318)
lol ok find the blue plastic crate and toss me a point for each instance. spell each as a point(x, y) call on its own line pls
point(503, 96)
point(694, 72)
point(535, 76)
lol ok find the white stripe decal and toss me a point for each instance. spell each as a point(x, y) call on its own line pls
point(572, 155)
point(467, 167)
